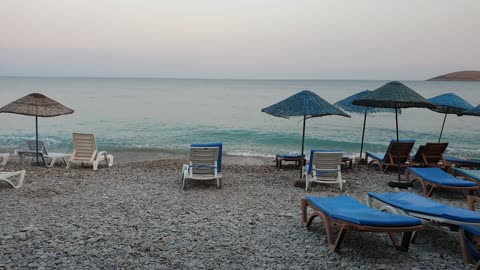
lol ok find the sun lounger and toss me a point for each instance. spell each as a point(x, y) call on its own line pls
point(397, 152)
point(85, 151)
point(467, 236)
point(205, 163)
point(431, 155)
point(349, 214)
point(4, 157)
point(7, 178)
point(432, 178)
point(410, 204)
point(43, 153)
point(324, 167)
point(460, 162)
point(473, 175)
point(298, 159)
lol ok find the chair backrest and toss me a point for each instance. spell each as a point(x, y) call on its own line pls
point(32, 146)
point(216, 144)
point(430, 153)
point(399, 151)
point(325, 160)
point(206, 156)
point(84, 146)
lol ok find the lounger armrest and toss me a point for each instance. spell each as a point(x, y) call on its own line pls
point(471, 202)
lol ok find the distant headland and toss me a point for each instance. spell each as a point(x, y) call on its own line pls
point(466, 75)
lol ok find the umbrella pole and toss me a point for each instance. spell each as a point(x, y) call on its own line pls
point(441, 131)
point(363, 132)
point(36, 137)
point(303, 144)
point(398, 140)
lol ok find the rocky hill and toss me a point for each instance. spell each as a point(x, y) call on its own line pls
point(466, 75)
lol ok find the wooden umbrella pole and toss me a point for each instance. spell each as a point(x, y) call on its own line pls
point(441, 131)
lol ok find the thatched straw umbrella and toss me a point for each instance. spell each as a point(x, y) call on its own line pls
point(36, 105)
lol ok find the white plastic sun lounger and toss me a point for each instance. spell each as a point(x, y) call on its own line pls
point(4, 157)
point(42, 153)
point(205, 163)
point(5, 177)
point(85, 151)
point(324, 167)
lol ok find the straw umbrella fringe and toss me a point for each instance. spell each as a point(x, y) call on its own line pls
point(449, 104)
point(37, 105)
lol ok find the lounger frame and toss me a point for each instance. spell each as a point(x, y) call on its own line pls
point(85, 151)
point(203, 165)
point(428, 186)
point(432, 155)
point(5, 157)
point(397, 152)
point(326, 169)
point(6, 177)
point(42, 153)
point(334, 243)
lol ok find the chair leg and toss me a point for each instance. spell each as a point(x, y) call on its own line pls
point(95, 165)
point(52, 162)
point(404, 243)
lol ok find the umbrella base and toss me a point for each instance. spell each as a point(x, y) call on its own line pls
point(401, 185)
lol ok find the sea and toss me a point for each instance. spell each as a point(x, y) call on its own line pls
point(167, 115)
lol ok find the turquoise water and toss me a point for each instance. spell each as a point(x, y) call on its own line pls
point(170, 114)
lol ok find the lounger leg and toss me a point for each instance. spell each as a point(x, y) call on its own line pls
point(54, 159)
point(467, 258)
point(404, 243)
point(5, 159)
point(338, 242)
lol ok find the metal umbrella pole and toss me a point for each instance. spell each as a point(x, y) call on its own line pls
point(441, 131)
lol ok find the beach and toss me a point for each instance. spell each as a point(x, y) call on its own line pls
point(135, 215)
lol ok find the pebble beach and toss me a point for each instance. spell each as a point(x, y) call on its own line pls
point(135, 215)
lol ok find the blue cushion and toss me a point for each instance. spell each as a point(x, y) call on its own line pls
point(414, 203)
point(348, 209)
point(309, 167)
point(475, 174)
point(379, 156)
point(219, 145)
point(462, 161)
point(437, 176)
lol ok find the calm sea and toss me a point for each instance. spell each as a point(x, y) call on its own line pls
point(170, 114)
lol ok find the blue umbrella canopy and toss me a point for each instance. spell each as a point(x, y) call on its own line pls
point(346, 104)
point(449, 103)
point(474, 112)
point(306, 104)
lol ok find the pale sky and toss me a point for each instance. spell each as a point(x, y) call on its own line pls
point(258, 39)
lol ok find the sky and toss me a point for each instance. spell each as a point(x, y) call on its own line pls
point(247, 39)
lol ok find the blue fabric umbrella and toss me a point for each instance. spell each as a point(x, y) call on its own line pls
point(449, 104)
point(474, 112)
point(306, 104)
point(346, 104)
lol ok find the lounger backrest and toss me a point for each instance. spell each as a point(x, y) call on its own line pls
point(84, 146)
point(399, 151)
point(215, 144)
point(327, 160)
point(32, 146)
point(433, 152)
point(203, 159)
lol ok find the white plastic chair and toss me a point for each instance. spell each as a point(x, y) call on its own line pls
point(203, 165)
point(5, 177)
point(85, 151)
point(326, 168)
point(4, 157)
point(42, 153)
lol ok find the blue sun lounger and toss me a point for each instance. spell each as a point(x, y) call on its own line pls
point(397, 152)
point(473, 175)
point(432, 178)
point(349, 214)
point(460, 162)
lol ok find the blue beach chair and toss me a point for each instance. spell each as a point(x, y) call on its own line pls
point(473, 175)
point(349, 214)
point(432, 178)
point(468, 235)
point(397, 153)
point(324, 167)
point(205, 163)
point(460, 162)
